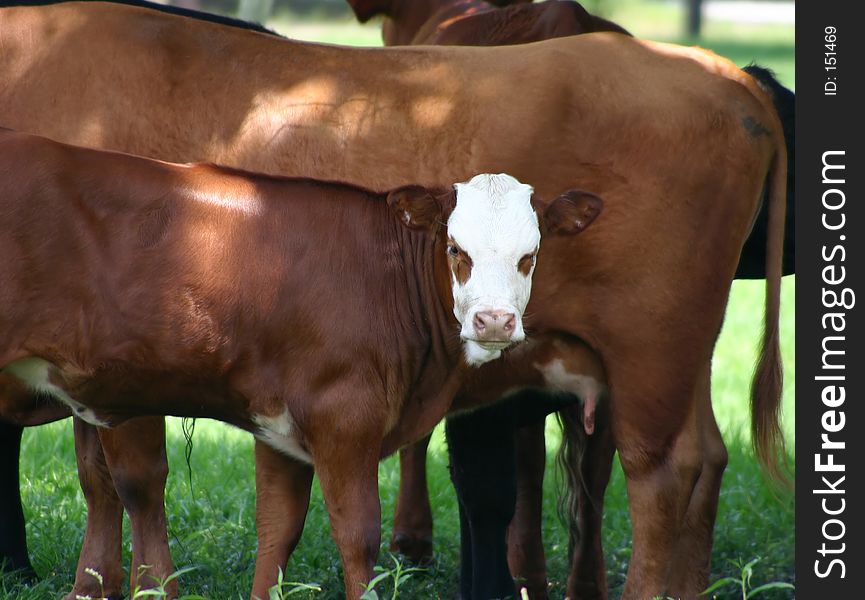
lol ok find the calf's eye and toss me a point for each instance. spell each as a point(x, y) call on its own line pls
point(526, 263)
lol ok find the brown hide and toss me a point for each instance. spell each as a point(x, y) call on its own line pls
point(664, 141)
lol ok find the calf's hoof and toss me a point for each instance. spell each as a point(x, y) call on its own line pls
point(533, 591)
point(108, 596)
point(416, 550)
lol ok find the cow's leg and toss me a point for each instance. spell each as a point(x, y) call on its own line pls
point(661, 458)
point(466, 566)
point(481, 449)
point(19, 408)
point(13, 537)
point(693, 551)
point(282, 487)
point(412, 523)
point(588, 577)
point(525, 542)
point(101, 548)
point(135, 453)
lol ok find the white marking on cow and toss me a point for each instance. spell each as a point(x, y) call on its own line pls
point(35, 374)
point(280, 433)
point(494, 223)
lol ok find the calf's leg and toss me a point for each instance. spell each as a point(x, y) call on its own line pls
point(348, 473)
point(412, 522)
point(135, 454)
point(101, 548)
point(282, 486)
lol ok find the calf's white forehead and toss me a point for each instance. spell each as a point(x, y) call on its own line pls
point(494, 215)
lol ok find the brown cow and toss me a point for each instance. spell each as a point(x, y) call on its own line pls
point(478, 23)
point(385, 117)
point(138, 287)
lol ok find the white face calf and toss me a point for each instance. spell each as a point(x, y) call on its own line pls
point(493, 239)
point(493, 236)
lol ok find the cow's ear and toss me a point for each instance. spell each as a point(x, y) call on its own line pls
point(417, 207)
point(571, 213)
point(365, 10)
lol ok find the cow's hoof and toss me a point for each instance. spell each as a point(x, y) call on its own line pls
point(25, 574)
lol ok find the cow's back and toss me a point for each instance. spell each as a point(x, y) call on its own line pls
point(182, 90)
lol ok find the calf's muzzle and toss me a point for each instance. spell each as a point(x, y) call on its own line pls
point(494, 326)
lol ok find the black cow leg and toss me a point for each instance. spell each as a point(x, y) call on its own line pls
point(483, 471)
point(13, 538)
point(465, 551)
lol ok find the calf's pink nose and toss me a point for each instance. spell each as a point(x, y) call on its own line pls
point(494, 325)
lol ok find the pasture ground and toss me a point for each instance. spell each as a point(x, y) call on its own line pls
point(211, 524)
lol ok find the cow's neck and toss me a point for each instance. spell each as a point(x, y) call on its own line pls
point(408, 17)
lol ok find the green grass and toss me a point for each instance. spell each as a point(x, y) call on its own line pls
point(212, 524)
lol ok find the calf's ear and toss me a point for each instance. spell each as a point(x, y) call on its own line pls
point(364, 10)
point(571, 213)
point(416, 207)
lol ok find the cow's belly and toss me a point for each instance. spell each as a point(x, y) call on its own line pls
point(44, 378)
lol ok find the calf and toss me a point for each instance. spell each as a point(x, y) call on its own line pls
point(673, 221)
point(135, 287)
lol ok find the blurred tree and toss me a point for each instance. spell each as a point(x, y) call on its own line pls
point(257, 11)
point(193, 4)
point(695, 17)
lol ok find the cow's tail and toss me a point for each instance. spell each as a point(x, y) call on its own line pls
point(766, 388)
point(784, 101)
point(569, 459)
